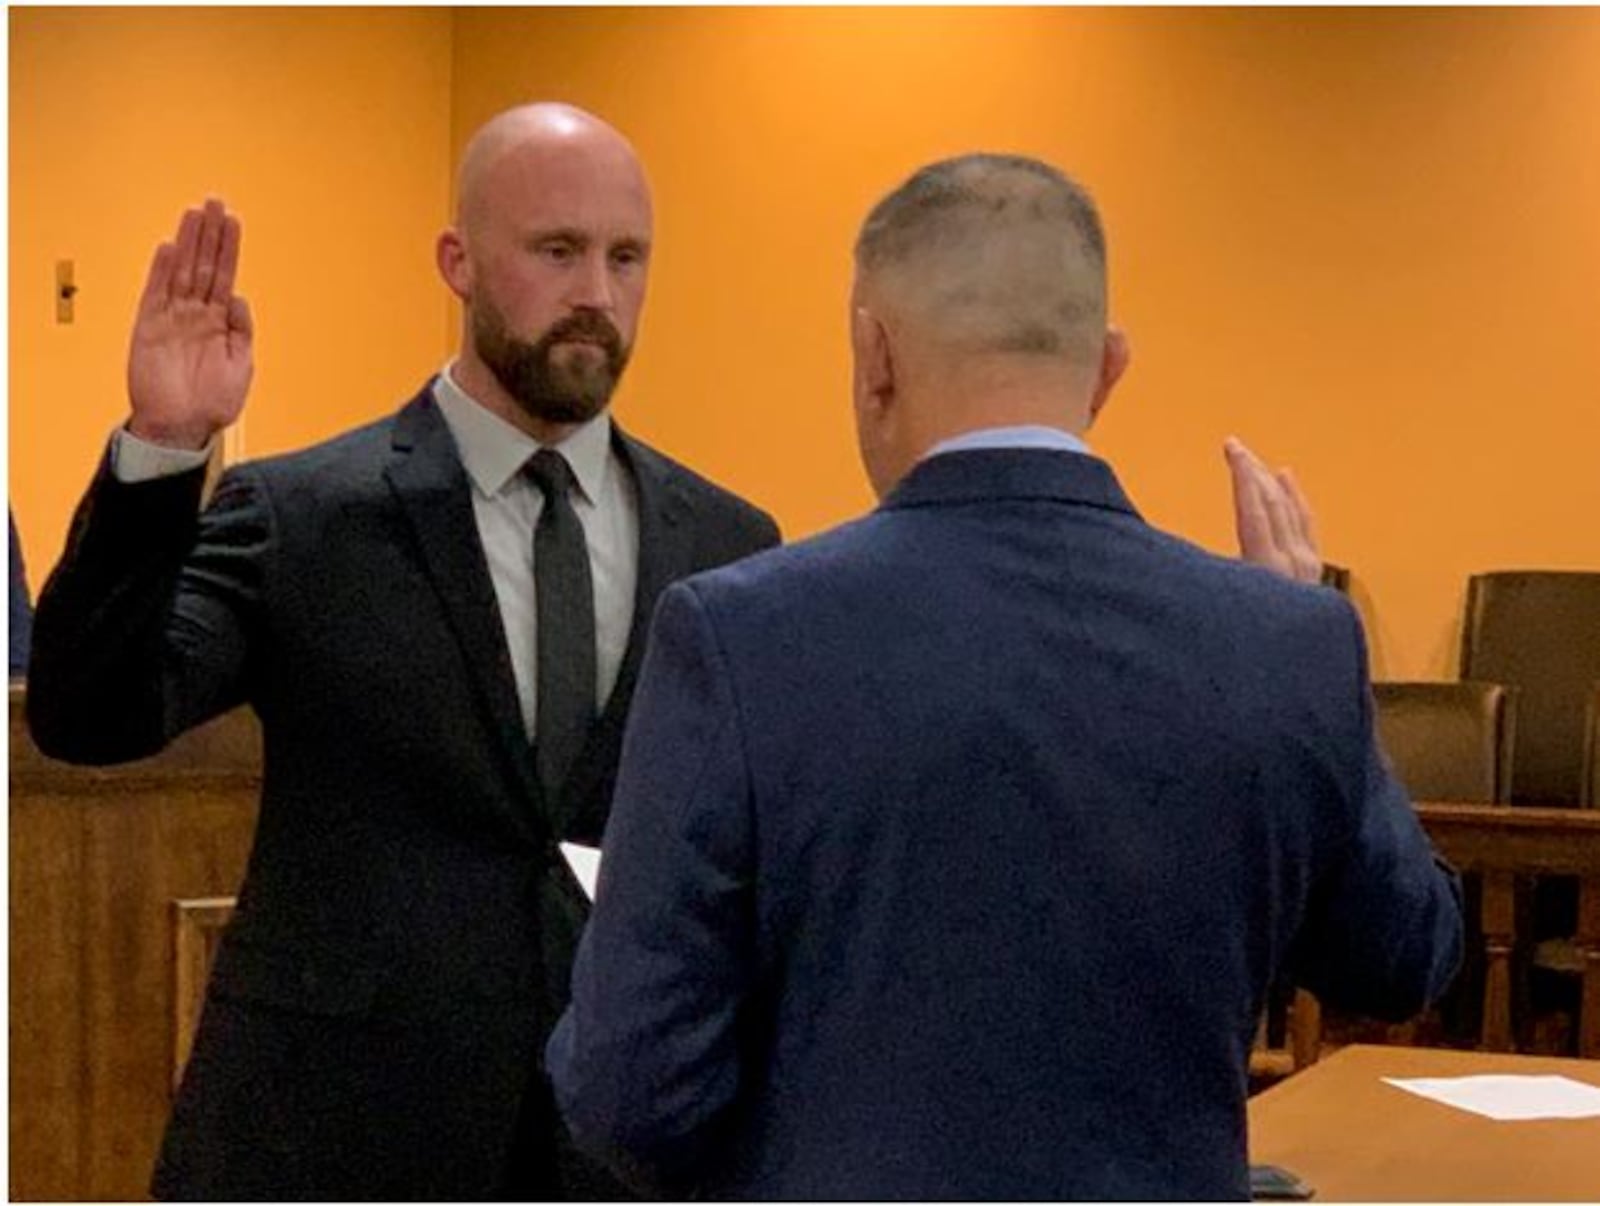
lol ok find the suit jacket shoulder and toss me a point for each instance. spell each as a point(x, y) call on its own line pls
point(342, 465)
point(706, 499)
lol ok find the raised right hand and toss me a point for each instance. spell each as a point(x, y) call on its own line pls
point(190, 359)
point(1272, 516)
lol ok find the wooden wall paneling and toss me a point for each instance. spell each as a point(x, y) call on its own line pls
point(143, 852)
point(46, 981)
point(176, 826)
point(197, 927)
point(128, 874)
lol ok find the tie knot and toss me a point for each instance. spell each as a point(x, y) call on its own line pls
point(549, 469)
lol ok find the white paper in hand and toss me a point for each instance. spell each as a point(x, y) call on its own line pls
point(585, 864)
point(1508, 1098)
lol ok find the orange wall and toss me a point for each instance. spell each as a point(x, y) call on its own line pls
point(1368, 240)
point(327, 130)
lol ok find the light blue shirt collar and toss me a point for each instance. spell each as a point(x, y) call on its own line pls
point(1030, 436)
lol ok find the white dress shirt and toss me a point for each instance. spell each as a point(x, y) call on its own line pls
point(507, 507)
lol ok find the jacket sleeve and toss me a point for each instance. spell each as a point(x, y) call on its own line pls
point(645, 1061)
point(1382, 933)
point(144, 628)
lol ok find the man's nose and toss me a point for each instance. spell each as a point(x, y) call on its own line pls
point(592, 286)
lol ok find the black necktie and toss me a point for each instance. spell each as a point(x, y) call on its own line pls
point(565, 613)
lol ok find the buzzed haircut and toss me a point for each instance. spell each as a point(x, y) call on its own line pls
point(1008, 253)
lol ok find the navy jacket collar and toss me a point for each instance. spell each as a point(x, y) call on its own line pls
point(990, 475)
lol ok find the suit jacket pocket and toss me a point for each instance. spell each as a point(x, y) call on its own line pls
point(317, 983)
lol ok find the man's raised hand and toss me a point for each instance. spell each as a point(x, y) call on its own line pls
point(190, 359)
point(1272, 516)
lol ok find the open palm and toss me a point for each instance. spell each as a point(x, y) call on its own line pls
point(190, 360)
point(1272, 517)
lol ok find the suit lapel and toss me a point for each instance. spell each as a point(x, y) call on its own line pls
point(666, 549)
point(433, 491)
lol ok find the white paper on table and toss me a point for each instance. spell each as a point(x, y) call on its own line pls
point(1508, 1098)
point(585, 864)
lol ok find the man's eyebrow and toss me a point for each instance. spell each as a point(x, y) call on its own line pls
point(570, 234)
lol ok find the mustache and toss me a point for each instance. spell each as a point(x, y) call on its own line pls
point(588, 325)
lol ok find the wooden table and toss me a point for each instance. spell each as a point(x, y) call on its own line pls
point(1339, 1128)
point(1500, 843)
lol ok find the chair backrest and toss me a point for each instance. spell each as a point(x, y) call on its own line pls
point(1538, 631)
point(1591, 752)
point(1449, 741)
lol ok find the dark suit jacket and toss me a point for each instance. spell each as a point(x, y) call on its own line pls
point(953, 852)
point(403, 935)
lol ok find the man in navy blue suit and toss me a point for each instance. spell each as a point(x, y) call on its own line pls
point(954, 850)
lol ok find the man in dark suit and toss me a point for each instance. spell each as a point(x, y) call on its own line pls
point(441, 646)
point(954, 850)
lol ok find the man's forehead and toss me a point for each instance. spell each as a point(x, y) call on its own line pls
point(566, 184)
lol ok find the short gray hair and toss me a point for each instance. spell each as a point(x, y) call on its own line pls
point(982, 216)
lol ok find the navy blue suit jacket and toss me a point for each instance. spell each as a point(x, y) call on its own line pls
point(954, 850)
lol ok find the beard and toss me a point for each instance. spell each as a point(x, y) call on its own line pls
point(572, 389)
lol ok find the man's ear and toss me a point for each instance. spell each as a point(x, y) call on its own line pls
point(455, 266)
point(873, 360)
point(1113, 363)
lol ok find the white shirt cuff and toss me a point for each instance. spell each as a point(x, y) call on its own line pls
point(136, 460)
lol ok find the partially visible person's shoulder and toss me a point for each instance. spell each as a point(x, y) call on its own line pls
point(346, 466)
point(830, 557)
point(333, 458)
point(699, 491)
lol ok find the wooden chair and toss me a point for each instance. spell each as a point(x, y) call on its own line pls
point(1561, 954)
point(1538, 632)
point(1449, 741)
point(1270, 1060)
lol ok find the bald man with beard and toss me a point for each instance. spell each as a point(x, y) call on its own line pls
point(954, 849)
point(439, 619)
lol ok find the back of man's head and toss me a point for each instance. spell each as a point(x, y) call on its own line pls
point(979, 302)
point(991, 254)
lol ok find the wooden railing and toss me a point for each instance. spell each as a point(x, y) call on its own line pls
point(1501, 843)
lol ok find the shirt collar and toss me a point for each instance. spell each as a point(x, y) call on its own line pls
point(494, 451)
point(1030, 436)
